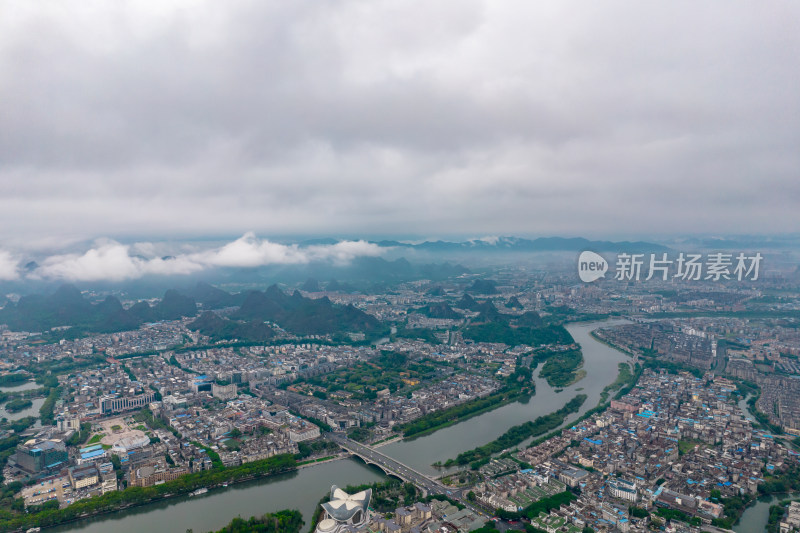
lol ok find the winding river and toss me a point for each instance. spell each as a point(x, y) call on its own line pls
point(302, 489)
point(600, 363)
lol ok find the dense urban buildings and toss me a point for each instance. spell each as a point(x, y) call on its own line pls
point(688, 429)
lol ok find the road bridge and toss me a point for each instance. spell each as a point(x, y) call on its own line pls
point(390, 466)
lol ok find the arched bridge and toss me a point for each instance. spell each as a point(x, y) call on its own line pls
point(387, 464)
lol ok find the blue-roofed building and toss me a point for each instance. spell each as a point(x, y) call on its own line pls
point(90, 457)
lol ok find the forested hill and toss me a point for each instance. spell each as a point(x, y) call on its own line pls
point(293, 312)
point(68, 307)
point(304, 316)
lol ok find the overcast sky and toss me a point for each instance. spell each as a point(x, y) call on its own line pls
point(599, 119)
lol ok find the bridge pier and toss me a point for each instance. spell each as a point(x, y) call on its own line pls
point(389, 466)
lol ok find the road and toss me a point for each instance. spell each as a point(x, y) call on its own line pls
point(392, 466)
point(389, 465)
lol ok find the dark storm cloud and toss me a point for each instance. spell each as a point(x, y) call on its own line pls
point(458, 117)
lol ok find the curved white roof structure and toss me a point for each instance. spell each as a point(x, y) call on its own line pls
point(349, 509)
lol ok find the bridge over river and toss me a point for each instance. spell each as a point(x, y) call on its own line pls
point(391, 466)
point(395, 468)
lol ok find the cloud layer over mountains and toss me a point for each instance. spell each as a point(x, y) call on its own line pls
point(113, 261)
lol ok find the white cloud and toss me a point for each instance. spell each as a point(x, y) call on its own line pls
point(249, 251)
point(180, 265)
point(344, 252)
point(9, 266)
point(108, 261)
point(490, 239)
point(112, 261)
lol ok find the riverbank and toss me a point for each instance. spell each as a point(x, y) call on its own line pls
point(519, 433)
point(328, 459)
point(610, 344)
point(131, 497)
point(296, 489)
point(778, 512)
point(600, 363)
point(625, 381)
point(561, 369)
point(388, 440)
point(14, 380)
point(18, 404)
point(437, 420)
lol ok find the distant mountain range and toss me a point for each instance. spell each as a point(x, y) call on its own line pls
point(211, 297)
point(740, 242)
point(68, 307)
point(295, 313)
point(518, 244)
point(362, 273)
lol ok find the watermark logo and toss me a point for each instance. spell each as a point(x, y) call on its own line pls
point(591, 266)
point(686, 267)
